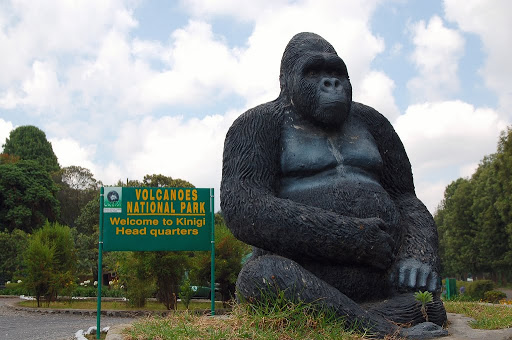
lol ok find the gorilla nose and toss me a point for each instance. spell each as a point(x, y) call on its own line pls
point(329, 84)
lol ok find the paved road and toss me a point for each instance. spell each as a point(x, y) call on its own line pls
point(21, 325)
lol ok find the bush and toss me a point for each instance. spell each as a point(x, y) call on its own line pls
point(85, 291)
point(494, 296)
point(477, 289)
point(14, 289)
point(186, 292)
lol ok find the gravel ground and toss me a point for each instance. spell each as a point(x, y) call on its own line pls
point(21, 325)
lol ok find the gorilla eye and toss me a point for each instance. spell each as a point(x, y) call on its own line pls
point(312, 73)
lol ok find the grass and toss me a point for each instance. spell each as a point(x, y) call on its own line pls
point(285, 320)
point(486, 316)
point(292, 322)
point(273, 317)
point(117, 305)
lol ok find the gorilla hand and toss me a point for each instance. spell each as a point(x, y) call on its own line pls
point(375, 244)
point(413, 274)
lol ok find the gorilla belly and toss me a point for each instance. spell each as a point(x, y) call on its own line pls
point(352, 195)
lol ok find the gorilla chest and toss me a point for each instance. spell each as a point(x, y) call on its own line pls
point(312, 154)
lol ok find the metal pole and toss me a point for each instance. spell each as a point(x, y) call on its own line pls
point(213, 251)
point(100, 265)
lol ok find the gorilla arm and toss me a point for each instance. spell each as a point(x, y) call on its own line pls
point(417, 261)
point(256, 216)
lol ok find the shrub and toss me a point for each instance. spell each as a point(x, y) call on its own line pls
point(50, 262)
point(494, 296)
point(186, 292)
point(14, 289)
point(478, 288)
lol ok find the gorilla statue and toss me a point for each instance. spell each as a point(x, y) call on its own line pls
point(322, 188)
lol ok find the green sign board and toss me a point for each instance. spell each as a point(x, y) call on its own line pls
point(151, 219)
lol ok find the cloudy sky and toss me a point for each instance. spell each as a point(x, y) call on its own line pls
point(128, 88)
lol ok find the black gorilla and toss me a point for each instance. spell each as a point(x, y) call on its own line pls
point(322, 188)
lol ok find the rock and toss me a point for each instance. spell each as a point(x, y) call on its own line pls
point(424, 330)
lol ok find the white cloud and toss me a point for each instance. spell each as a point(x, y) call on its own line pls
point(490, 20)
point(172, 146)
point(5, 130)
point(69, 152)
point(436, 55)
point(376, 90)
point(444, 140)
point(82, 58)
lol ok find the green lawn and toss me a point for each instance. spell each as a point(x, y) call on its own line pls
point(486, 316)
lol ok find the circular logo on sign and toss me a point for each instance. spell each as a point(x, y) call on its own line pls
point(113, 196)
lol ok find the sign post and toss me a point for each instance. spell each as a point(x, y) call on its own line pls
point(156, 219)
point(100, 267)
point(212, 269)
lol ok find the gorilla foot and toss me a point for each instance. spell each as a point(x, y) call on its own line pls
point(272, 274)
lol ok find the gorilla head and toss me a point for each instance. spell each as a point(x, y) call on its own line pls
point(314, 80)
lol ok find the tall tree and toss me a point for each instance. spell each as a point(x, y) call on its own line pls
point(165, 181)
point(29, 143)
point(77, 186)
point(458, 229)
point(13, 246)
point(27, 196)
point(475, 218)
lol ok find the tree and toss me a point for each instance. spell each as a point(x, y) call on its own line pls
point(50, 261)
point(88, 220)
point(13, 245)
point(228, 260)
point(136, 272)
point(39, 263)
point(169, 268)
point(475, 218)
point(165, 181)
point(458, 229)
point(77, 186)
point(29, 143)
point(27, 196)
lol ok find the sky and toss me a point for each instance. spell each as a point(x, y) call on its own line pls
point(129, 88)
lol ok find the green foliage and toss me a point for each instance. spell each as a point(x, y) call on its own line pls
point(186, 292)
point(15, 289)
point(50, 262)
point(165, 181)
point(39, 263)
point(12, 245)
point(494, 296)
point(27, 196)
point(88, 220)
point(169, 268)
point(136, 273)
point(86, 252)
point(77, 187)
point(228, 260)
point(478, 288)
point(475, 218)
point(423, 297)
point(29, 143)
